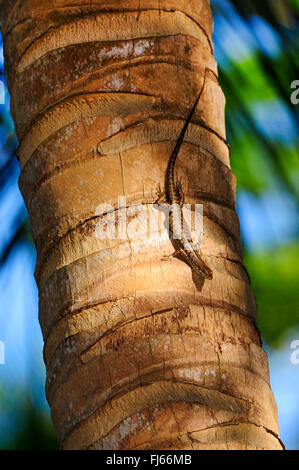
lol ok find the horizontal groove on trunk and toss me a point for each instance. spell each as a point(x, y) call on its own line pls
point(154, 124)
point(64, 35)
point(93, 104)
point(69, 329)
point(140, 399)
point(42, 272)
point(105, 72)
point(186, 298)
point(102, 340)
point(233, 435)
point(79, 75)
point(76, 108)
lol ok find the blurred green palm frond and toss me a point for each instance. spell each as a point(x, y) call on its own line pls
point(257, 48)
point(275, 277)
point(258, 53)
point(276, 12)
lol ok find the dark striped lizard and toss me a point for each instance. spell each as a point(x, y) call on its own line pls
point(173, 194)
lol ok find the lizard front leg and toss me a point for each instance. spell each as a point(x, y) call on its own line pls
point(170, 257)
point(161, 196)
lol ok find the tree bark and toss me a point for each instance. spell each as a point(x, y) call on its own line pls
point(140, 353)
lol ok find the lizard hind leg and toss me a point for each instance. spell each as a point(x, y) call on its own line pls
point(161, 196)
point(170, 257)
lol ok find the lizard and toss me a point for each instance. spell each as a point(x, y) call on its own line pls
point(173, 194)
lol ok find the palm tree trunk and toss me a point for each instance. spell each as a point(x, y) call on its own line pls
point(140, 353)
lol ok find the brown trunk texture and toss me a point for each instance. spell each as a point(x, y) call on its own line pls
point(140, 353)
